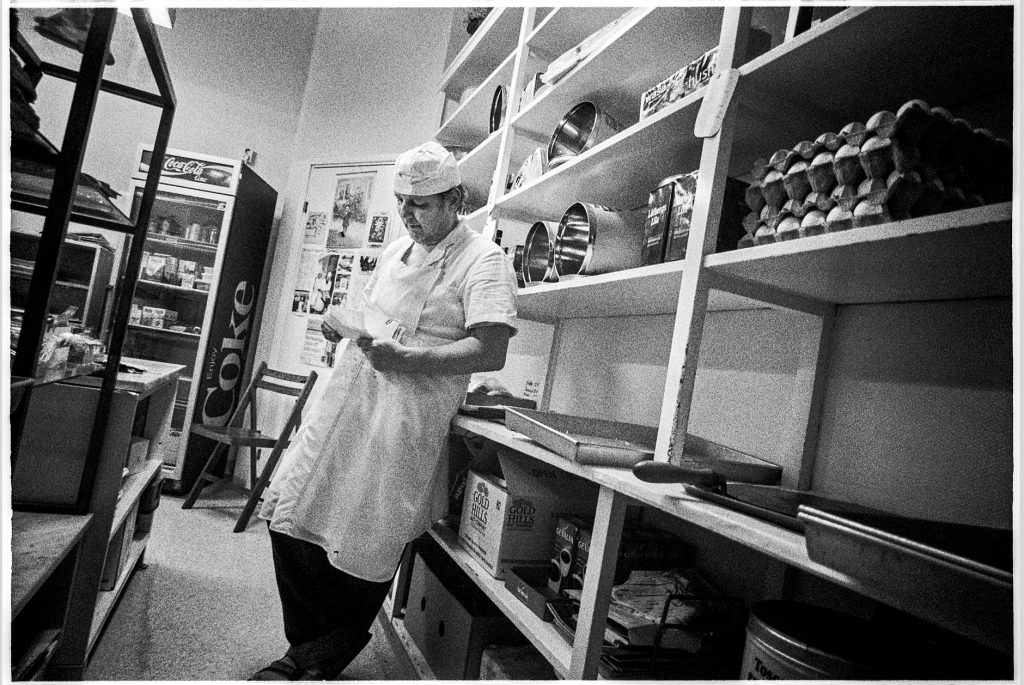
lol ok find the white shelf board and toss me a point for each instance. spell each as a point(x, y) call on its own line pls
point(619, 172)
point(644, 291)
point(191, 293)
point(642, 52)
point(477, 220)
point(39, 543)
point(565, 27)
point(842, 70)
point(471, 122)
point(133, 487)
point(774, 541)
point(477, 168)
point(153, 330)
point(542, 634)
point(182, 243)
point(494, 40)
point(107, 599)
point(962, 254)
point(845, 64)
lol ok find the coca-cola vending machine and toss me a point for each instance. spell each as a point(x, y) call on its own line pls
point(198, 291)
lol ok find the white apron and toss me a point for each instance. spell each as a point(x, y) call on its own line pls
point(364, 472)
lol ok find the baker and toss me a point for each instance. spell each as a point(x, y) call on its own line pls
point(367, 472)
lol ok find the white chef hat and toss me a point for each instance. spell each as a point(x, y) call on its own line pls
point(428, 169)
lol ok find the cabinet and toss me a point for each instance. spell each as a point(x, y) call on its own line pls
point(852, 359)
point(62, 518)
point(83, 278)
point(112, 547)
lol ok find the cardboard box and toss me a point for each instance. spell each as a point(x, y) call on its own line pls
point(514, 662)
point(571, 551)
point(138, 452)
point(511, 520)
point(529, 585)
point(451, 621)
point(730, 225)
point(659, 205)
point(154, 267)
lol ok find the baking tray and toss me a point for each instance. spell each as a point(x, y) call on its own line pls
point(492, 407)
point(948, 572)
point(594, 442)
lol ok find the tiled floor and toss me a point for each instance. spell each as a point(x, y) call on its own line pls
point(205, 607)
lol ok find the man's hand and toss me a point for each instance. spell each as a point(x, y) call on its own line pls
point(329, 333)
point(387, 355)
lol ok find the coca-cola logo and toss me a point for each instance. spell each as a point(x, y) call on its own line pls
point(184, 167)
point(196, 171)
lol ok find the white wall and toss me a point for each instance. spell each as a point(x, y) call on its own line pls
point(371, 93)
point(238, 75)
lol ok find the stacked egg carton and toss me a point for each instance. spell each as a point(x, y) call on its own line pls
point(916, 162)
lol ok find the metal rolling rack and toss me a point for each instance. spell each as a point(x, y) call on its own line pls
point(60, 209)
point(48, 538)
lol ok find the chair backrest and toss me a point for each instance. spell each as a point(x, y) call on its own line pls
point(272, 380)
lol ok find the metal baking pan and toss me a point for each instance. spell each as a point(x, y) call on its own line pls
point(594, 442)
point(949, 573)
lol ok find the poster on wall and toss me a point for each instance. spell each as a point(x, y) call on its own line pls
point(349, 227)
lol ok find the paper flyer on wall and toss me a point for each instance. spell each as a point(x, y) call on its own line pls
point(315, 233)
point(316, 349)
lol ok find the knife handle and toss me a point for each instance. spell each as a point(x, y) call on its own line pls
point(663, 472)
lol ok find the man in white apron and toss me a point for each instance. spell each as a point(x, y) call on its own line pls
point(363, 474)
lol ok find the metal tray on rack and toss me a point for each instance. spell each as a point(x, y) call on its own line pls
point(594, 442)
point(944, 568)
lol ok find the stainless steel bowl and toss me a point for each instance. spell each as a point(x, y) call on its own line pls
point(584, 127)
point(594, 240)
point(539, 253)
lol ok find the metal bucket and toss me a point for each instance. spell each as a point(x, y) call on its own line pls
point(596, 240)
point(795, 641)
point(539, 253)
point(581, 129)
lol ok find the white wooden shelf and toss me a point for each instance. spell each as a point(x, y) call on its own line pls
point(153, 330)
point(862, 37)
point(644, 291)
point(192, 293)
point(106, 600)
point(39, 543)
point(181, 243)
point(619, 172)
point(565, 27)
point(643, 50)
point(477, 168)
point(132, 488)
point(542, 634)
point(962, 254)
point(774, 541)
point(470, 123)
point(494, 40)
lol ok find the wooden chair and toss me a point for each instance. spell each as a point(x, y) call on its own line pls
point(235, 435)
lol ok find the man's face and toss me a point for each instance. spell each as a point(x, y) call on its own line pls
point(428, 218)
